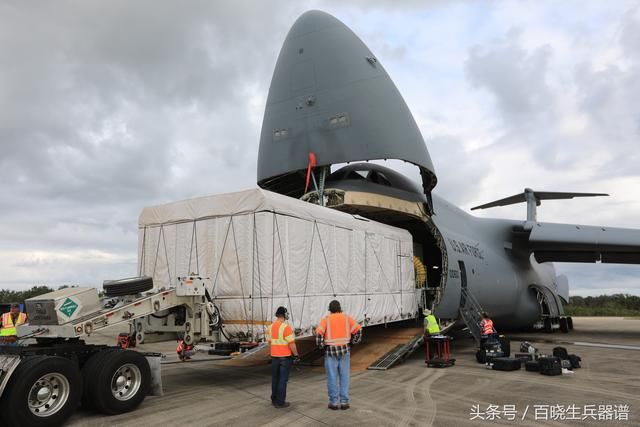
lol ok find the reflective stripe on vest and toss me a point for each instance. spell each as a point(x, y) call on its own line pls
point(280, 345)
point(343, 340)
point(487, 326)
point(281, 338)
point(8, 328)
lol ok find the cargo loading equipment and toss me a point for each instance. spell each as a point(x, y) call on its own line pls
point(45, 374)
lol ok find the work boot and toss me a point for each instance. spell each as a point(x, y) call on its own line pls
point(284, 405)
point(334, 407)
point(344, 406)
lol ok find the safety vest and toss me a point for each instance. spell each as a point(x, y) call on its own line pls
point(8, 328)
point(432, 326)
point(337, 329)
point(487, 327)
point(281, 336)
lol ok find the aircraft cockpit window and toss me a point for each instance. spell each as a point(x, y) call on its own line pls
point(379, 178)
point(357, 175)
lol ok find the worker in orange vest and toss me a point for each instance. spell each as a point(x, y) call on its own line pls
point(283, 346)
point(11, 320)
point(334, 334)
point(486, 324)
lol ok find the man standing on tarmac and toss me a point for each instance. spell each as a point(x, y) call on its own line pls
point(283, 346)
point(335, 332)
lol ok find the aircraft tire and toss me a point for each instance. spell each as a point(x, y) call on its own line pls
point(43, 391)
point(570, 323)
point(481, 356)
point(547, 325)
point(564, 325)
point(122, 382)
point(130, 286)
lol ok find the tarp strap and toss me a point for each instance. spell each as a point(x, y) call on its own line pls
point(142, 255)
point(194, 239)
point(284, 270)
point(257, 256)
point(306, 280)
point(386, 280)
point(326, 263)
point(166, 255)
point(224, 245)
point(244, 299)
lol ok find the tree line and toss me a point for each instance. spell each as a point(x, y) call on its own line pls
point(604, 305)
point(9, 296)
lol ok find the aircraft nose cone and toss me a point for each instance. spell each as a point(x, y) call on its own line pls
point(311, 21)
point(330, 95)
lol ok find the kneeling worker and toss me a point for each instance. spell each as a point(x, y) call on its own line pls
point(431, 327)
point(283, 346)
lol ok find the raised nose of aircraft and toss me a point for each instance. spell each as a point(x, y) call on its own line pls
point(331, 96)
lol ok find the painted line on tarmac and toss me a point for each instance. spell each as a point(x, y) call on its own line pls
point(615, 346)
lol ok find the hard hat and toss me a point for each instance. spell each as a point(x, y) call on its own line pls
point(426, 312)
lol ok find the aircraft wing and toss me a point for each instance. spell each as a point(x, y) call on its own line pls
point(583, 243)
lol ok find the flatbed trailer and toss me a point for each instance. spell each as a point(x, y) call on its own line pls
point(50, 369)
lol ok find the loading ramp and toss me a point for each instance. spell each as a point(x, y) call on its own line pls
point(397, 354)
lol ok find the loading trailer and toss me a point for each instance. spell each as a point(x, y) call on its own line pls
point(211, 270)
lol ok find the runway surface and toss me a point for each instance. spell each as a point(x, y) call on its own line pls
point(410, 394)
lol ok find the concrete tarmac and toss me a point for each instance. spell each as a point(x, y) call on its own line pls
point(411, 394)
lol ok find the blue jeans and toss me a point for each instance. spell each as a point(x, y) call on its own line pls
point(280, 367)
point(338, 368)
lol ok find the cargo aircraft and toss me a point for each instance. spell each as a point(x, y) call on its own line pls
point(332, 103)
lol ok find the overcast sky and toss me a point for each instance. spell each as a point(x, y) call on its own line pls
point(107, 107)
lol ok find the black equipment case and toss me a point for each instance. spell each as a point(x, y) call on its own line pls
point(506, 364)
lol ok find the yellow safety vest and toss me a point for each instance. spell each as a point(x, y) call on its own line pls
point(8, 328)
point(432, 326)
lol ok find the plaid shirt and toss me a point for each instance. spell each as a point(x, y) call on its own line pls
point(337, 350)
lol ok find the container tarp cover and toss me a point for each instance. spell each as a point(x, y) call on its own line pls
point(262, 250)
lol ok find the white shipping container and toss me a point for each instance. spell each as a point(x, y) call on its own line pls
point(262, 250)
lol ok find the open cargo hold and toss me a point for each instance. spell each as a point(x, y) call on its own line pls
point(262, 250)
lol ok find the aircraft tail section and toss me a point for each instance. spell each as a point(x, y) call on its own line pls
point(534, 199)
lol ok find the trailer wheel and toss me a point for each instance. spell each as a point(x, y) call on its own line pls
point(89, 371)
point(122, 382)
point(130, 286)
point(43, 391)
